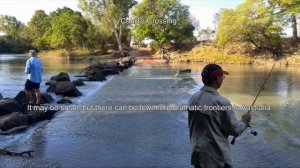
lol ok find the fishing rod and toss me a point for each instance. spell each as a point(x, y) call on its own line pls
point(258, 93)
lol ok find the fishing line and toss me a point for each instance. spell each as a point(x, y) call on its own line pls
point(258, 93)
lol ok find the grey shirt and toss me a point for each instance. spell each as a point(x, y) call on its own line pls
point(210, 128)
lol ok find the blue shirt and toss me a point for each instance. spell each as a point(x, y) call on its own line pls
point(34, 69)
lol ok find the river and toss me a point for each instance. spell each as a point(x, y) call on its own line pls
point(125, 138)
point(13, 77)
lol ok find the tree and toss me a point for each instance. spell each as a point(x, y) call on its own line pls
point(251, 22)
point(38, 25)
point(11, 41)
point(164, 21)
point(10, 26)
point(108, 14)
point(38, 30)
point(63, 28)
point(94, 38)
point(68, 29)
point(289, 8)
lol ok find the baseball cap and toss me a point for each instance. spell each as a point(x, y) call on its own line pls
point(213, 70)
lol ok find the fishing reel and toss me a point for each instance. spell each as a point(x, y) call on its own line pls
point(251, 132)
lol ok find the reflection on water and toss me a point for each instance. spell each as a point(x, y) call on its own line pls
point(13, 77)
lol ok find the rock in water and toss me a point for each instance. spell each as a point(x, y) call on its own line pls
point(99, 76)
point(51, 88)
point(36, 116)
point(78, 82)
point(66, 88)
point(61, 77)
point(8, 106)
point(64, 101)
point(14, 130)
point(12, 120)
point(91, 72)
point(110, 72)
point(185, 71)
point(80, 76)
point(40, 113)
point(22, 98)
point(51, 82)
point(46, 98)
point(96, 76)
point(49, 114)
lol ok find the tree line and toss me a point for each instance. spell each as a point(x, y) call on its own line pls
point(100, 26)
point(260, 23)
point(61, 29)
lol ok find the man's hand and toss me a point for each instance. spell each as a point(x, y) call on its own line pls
point(246, 118)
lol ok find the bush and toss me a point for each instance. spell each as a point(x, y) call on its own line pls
point(10, 45)
point(210, 54)
point(154, 46)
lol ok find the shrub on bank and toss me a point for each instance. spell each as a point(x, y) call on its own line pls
point(73, 53)
point(210, 54)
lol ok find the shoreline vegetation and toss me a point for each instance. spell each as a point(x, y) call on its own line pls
point(254, 32)
point(79, 55)
point(201, 53)
point(238, 53)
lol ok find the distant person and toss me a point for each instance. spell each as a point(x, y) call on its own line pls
point(34, 69)
point(210, 128)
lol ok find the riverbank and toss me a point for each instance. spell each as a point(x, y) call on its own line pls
point(233, 54)
point(83, 54)
point(79, 54)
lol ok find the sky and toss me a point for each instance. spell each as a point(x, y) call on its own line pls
point(204, 10)
point(23, 10)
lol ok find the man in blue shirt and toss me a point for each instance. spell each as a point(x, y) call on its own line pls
point(34, 69)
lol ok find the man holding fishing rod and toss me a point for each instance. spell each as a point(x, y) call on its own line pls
point(209, 129)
